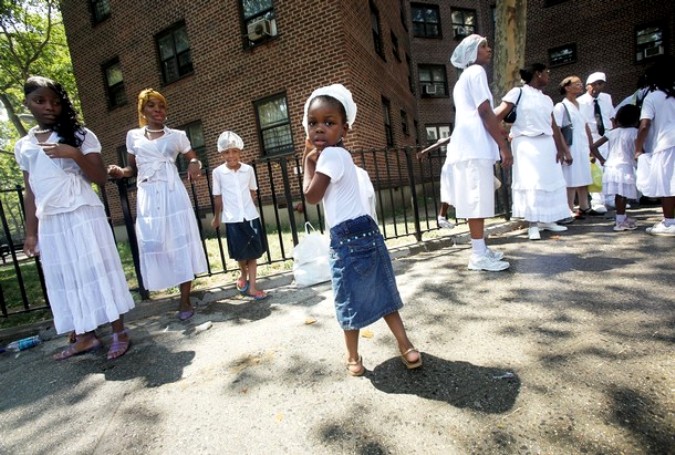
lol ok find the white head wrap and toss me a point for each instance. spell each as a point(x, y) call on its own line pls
point(595, 77)
point(466, 51)
point(340, 93)
point(229, 140)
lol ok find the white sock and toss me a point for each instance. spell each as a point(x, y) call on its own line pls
point(667, 221)
point(534, 224)
point(620, 218)
point(478, 247)
point(442, 218)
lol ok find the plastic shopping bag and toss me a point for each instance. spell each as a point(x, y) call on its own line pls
point(644, 164)
point(310, 258)
point(596, 173)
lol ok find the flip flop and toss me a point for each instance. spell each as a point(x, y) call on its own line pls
point(356, 368)
point(72, 351)
point(118, 347)
point(185, 315)
point(242, 286)
point(259, 295)
point(411, 365)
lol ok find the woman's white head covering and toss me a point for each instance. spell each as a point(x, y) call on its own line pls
point(229, 140)
point(340, 93)
point(466, 52)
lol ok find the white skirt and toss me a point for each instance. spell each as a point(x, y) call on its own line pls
point(579, 172)
point(446, 183)
point(619, 180)
point(661, 179)
point(83, 273)
point(473, 189)
point(168, 236)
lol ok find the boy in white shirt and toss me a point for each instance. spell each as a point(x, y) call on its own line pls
point(234, 189)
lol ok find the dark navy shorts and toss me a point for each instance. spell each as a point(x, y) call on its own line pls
point(245, 240)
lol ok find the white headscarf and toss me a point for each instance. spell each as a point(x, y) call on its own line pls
point(466, 52)
point(340, 93)
point(229, 140)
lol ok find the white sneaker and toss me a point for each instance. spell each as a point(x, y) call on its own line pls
point(494, 254)
point(533, 233)
point(599, 209)
point(487, 263)
point(553, 227)
point(626, 225)
point(444, 223)
point(661, 229)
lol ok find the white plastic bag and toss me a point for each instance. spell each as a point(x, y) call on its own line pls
point(644, 165)
point(310, 258)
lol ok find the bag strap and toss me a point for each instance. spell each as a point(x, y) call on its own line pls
point(569, 117)
point(518, 100)
point(309, 226)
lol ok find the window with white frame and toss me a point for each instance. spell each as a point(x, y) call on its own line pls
point(174, 53)
point(275, 125)
point(433, 80)
point(463, 22)
point(649, 42)
point(258, 21)
point(562, 55)
point(436, 132)
point(426, 20)
point(114, 83)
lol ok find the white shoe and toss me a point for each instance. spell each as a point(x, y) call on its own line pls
point(626, 225)
point(494, 254)
point(599, 209)
point(487, 263)
point(661, 229)
point(533, 233)
point(553, 227)
point(444, 223)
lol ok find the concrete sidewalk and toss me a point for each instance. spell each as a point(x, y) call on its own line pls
point(570, 351)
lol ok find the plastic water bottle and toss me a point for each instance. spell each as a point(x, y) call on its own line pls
point(24, 343)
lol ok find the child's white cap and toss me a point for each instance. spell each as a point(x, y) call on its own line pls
point(340, 93)
point(229, 140)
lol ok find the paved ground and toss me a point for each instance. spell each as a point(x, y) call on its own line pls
point(570, 351)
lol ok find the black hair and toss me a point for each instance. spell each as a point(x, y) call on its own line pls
point(527, 73)
point(661, 75)
point(333, 102)
point(69, 129)
point(627, 116)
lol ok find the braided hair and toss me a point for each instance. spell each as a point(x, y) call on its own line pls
point(68, 128)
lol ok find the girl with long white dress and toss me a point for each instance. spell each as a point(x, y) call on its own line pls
point(171, 253)
point(67, 225)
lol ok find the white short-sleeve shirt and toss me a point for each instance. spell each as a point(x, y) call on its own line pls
point(154, 156)
point(661, 111)
point(533, 114)
point(235, 186)
point(342, 199)
point(621, 146)
point(470, 140)
point(587, 107)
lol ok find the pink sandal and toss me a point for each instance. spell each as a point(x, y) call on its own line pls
point(118, 347)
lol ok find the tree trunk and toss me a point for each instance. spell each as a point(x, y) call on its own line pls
point(16, 121)
point(509, 48)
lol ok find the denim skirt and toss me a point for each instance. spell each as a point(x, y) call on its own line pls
point(363, 279)
point(245, 240)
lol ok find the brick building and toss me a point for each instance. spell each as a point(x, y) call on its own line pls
point(249, 66)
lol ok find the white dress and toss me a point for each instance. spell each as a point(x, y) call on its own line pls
point(538, 188)
point(618, 175)
point(579, 172)
point(661, 111)
point(83, 273)
point(170, 248)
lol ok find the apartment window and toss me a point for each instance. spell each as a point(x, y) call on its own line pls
point(426, 20)
point(100, 10)
point(275, 125)
point(548, 3)
point(174, 53)
point(649, 42)
point(401, 7)
point(463, 22)
point(433, 80)
point(259, 21)
point(375, 27)
point(562, 55)
point(388, 130)
point(411, 77)
point(195, 134)
point(394, 46)
point(114, 83)
point(436, 132)
point(123, 161)
point(404, 123)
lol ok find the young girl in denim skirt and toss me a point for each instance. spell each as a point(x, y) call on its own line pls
point(234, 188)
point(363, 279)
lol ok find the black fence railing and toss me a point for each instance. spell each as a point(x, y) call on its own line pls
point(407, 201)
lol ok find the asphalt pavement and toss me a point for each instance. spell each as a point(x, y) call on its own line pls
point(569, 351)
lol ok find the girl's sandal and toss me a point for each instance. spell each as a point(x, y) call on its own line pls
point(242, 286)
point(414, 364)
point(259, 295)
point(356, 368)
point(118, 347)
point(72, 350)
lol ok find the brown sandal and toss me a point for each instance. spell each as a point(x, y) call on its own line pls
point(411, 365)
point(356, 368)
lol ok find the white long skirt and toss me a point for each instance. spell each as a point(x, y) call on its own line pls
point(472, 190)
point(579, 172)
point(538, 189)
point(82, 269)
point(168, 237)
point(661, 178)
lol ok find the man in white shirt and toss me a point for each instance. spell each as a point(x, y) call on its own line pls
point(599, 112)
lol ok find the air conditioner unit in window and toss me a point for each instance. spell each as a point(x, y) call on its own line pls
point(429, 89)
point(653, 51)
point(461, 32)
point(259, 29)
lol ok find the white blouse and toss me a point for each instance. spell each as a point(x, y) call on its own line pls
point(533, 114)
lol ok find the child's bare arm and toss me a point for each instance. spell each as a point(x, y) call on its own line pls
point(217, 208)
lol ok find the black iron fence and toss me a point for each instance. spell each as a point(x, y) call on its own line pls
point(407, 200)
